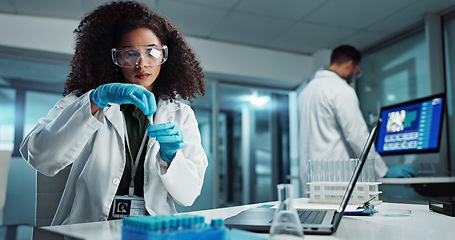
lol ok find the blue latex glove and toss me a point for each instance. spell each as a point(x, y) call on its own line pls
point(170, 138)
point(399, 172)
point(125, 93)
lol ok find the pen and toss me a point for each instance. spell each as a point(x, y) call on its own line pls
point(366, 205)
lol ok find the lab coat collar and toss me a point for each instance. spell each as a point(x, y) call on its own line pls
point(329, 74)
point(326, 73)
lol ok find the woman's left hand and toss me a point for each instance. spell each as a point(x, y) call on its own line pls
point(170, 138)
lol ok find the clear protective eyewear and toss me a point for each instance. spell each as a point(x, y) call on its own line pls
point(358, 75)
point(130, 57)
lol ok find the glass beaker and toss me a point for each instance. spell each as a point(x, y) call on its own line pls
point(286, 223)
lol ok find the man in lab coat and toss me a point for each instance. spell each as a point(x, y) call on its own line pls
point(331, 123)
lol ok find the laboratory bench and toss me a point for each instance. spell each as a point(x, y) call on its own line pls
point(426, 187)
point(393, 221)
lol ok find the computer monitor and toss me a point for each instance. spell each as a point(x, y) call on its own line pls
point(411, 127)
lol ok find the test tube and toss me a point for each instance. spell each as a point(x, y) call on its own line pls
point(313, 171)
point(371, 170)
point(318, 172)
point(310, 171)
point(366, 168)
point(348, 170)
point(322, 167)
point(321, 170)
point(365, 171)
point(338, 170)
point(353, 164)
point(345, 169)
point(342, 173)
point(325, 170)
point(330, 172)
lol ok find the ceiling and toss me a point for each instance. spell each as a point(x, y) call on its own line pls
point(299, 26)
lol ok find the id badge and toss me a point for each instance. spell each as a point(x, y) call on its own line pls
point(125, 206)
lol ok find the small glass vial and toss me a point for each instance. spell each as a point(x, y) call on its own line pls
point(286, 223)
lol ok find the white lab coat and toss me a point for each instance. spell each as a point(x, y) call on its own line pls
point(331, 124)
point(95, 146)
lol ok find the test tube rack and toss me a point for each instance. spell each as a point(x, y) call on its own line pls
point(333, 192)
point(173, 227)
point(328, 180)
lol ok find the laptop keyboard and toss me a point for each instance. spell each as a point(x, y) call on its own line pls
point(311, 216)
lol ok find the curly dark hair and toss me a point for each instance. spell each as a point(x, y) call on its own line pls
point(102, 29)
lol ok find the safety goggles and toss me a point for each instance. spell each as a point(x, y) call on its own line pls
point(130, 57)
point(358, 75)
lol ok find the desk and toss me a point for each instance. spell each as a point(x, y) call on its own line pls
point(426, 186)
point(416, 180)
point(421, 224)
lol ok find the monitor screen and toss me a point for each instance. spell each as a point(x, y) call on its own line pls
point(411, 127)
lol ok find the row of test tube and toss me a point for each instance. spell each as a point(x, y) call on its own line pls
point(339, 170)
point(173, 227)
point(165, 223)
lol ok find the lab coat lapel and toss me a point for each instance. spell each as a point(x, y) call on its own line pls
point(114, 115)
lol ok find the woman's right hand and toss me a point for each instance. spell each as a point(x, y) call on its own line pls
point(125, 93)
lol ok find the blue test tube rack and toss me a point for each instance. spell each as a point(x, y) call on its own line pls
point(173, 227)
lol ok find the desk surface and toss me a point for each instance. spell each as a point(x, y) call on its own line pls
point(421, 224)
point(416, 180)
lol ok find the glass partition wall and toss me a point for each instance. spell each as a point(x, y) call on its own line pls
point(28, 89)
point(399, 72)
point(449, 41)
point(394, 73)
point(250, 157)
point(253, 143)
point(7, 118)
point(403, 69)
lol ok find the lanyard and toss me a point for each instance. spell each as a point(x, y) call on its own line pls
point(138, 156)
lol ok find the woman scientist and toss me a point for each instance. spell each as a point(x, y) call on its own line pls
point(134, 148)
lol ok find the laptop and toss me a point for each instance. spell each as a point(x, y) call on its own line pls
point(314, 221)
